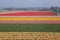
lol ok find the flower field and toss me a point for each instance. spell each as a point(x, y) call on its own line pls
point(29, 26)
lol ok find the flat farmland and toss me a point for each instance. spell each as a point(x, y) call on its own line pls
point(28, 13)
point(29, 17)
point(29, 36)
point(29, 27)
point(25, 22)
point(30, 20)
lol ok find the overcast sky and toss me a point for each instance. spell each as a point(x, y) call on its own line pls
point(29, 3)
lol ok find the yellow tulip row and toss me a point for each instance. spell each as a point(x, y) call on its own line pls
point(22, 18)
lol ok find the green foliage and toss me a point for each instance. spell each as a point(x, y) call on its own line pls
point(29, 28)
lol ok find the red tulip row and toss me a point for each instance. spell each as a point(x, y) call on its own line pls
point(28, 14)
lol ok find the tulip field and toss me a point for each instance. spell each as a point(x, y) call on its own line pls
point(29, 25)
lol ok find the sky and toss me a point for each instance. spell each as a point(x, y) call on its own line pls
point(29, 3)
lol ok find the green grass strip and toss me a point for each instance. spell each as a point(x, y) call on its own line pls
point(29, 28)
